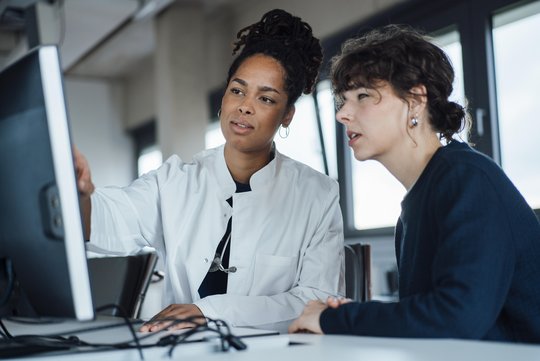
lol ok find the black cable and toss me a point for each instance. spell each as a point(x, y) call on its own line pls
point(54, 342)
point(10, 282)
point(59, 342)
point(7, 294)
point(123, 314)
point(226, 338)
point(5, 331)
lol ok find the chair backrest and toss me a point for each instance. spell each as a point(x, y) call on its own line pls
point(121, 281)
point(358, 272)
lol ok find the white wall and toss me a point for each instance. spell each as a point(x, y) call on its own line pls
point(95, 108)
point(140, 95)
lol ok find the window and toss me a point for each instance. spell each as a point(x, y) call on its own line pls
point(517, 69)
point(450, 42)
point(214, 136)
point(327, 114)
point(303, 143)
point(147, 153)
point(149, 159)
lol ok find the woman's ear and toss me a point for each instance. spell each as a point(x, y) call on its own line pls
point(287, 119)
point(418, 101)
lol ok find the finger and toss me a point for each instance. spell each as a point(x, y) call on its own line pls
point(146, 327)
point(181, 325)
point(153, 326)
point(172, 318)
point(332, 302)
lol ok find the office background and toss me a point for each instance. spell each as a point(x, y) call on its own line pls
point(143, 80)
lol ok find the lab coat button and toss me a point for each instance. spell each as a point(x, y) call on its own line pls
point(206, 260)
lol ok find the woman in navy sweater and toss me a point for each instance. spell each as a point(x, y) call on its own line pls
point(467, 243)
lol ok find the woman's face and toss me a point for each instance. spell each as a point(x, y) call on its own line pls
point(255, 105)
point(376, 121)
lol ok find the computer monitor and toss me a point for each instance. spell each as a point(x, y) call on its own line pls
point(40, 221)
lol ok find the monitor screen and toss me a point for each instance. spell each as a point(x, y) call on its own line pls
point(40, 221)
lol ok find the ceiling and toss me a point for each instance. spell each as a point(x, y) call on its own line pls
point(98, 38)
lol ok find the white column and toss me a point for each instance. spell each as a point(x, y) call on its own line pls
point(180, 68)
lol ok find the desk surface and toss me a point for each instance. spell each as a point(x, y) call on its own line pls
point(314, 347)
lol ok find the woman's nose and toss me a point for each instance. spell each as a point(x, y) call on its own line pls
point(343, 116)
point(245, 107)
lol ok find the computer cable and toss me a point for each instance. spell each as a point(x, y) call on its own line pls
point(5, 333)
point(128, 322)
point(21, 345)
point(220, 327)
point(10, 281)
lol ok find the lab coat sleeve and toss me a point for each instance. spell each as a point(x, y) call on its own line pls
point(320, 274)
point(126, 219)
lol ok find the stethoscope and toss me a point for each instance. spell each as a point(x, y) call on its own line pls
point(217, 263)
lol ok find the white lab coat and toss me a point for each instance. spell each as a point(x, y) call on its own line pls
point(286, 240)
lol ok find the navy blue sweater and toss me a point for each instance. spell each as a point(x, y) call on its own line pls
point(468, 254)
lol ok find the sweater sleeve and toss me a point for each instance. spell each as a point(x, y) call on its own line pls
point(470, 274)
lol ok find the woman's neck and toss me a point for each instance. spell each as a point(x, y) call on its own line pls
point(408, 164)
point(243, 165)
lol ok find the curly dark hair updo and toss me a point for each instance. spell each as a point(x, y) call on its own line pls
point(404, 58)
point(290, 41)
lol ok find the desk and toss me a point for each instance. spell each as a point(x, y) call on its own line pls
point(315, 347)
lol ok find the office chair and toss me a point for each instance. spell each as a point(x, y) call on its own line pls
point(121, 281)
point(358, 272)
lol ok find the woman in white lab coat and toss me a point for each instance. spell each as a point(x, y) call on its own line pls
point(247, 234)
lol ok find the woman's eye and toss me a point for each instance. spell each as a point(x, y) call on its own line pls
point(362, 96)
point(236, 91)
point(268, 100)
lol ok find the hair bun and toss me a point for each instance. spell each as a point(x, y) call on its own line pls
point(289, 40)
point(276, 26)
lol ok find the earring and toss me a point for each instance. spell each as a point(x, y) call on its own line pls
point(414, 121)
point(219, 113)
point(287, 130)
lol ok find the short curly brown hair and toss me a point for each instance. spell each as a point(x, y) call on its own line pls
point(403, 57)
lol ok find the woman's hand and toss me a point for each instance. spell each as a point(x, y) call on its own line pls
point(84, 177)
point(309, 319)
point(85, 188)
point(335, 302)
point(164, 319)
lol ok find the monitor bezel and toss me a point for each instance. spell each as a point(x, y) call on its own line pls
point(61, 148)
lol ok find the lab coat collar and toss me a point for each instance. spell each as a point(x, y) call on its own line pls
point(261, 179)
point(264, 176)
